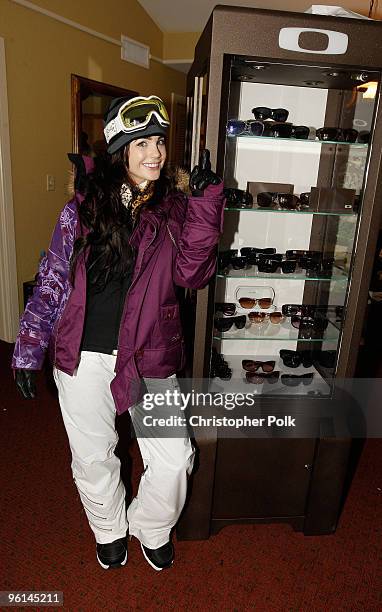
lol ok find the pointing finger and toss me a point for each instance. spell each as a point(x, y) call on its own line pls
point(205, 162)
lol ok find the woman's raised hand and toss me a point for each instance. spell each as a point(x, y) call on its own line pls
point(202, 175)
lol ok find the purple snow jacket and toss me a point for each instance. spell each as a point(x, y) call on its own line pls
point(176, 245)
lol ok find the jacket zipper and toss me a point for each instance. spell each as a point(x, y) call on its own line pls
point(128, 291)
point(172, 237)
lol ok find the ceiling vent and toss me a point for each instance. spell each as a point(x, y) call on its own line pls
point(135, 52)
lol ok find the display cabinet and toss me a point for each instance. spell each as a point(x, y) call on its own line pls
point(288, 105)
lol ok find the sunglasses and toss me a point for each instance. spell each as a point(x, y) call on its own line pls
point(238, 127)
point(238, 198)
point(265, 199)
point(306, 323)
point(253, 254)
point(219, 366)
point(290, 310)
point(252, 366)
point(261, 317)
point(135, 115)
point(261, 377)
point(224, 324)
point(253, 127)
point(270, 265)
point(227, 308)
point(292, 380)
point(337, 134)
point(277, 129)
point(224, 257)
point(297, 254)
point(221, 371)
point(364, 137)
point(255, 251)
point(239, 263)
point(264, 303)
point(277, 114)
point(300, 131)
point(316, 265)
point(326, 358)
point(293, 359)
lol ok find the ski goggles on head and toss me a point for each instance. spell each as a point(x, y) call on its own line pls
point(135, 114)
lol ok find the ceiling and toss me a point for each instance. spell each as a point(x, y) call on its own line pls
point(192, 15)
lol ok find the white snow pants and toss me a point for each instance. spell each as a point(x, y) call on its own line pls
point(88, 411)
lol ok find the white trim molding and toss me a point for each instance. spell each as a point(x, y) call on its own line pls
point(9, 303)
point(91, 32)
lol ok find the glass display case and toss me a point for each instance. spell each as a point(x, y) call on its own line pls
point(295, 162)
point(288, 105)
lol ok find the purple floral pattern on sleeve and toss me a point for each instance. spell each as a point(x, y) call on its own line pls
point(49, 296)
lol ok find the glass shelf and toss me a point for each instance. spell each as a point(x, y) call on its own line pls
point(337, 275)
point(298, 212)
point(300, 140)
point(282, 332)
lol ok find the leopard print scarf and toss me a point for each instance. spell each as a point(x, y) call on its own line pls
point(135, 197)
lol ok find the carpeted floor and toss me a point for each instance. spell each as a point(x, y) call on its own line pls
point(46, 543)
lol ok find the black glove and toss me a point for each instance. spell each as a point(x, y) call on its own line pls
point(202, 175)
point(26, 383)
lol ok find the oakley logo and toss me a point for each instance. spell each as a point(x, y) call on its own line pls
point(337, 42)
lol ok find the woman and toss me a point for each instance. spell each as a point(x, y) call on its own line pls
point(106, 307)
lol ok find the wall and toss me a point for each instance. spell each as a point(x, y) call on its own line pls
point(41, 55)
point(179, 45)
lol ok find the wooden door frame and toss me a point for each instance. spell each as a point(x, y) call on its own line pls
point(79, 87)
point(9, 302)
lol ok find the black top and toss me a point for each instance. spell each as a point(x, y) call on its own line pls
point(104, 307)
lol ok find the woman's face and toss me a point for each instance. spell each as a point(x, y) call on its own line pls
point(146, 158)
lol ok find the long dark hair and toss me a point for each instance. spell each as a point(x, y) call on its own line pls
point(109, 222)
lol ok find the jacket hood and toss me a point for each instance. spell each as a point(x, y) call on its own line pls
point(84, 165)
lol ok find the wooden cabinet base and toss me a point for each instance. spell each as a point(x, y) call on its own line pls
point(295, 481)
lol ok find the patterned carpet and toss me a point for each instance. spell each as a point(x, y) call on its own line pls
point(46, 543)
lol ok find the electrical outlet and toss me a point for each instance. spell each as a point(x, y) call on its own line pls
point(50, 182)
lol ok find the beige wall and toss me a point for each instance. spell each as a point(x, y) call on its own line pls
point(179, 45)
point(41, 54)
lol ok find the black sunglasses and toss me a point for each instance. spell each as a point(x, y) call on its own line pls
point(245, 251)
point(293, 359)
point(336, 134)
point(225, 257)
point(271, 264)
point(316, 265)
point(277, 114)
point(309, 325)
point(259, 378)
point(227, 308)
point(325, 358)
point(277, 129)
point(300, 131)
point(252, 254)
point(292, 380)
point(290, 310)
point(299, 253)
point(265, 199)
point(253, 366)
point(224, 324)
point(239, 263)
point(238, 198)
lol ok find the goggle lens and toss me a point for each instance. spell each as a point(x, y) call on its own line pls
point(139, 112)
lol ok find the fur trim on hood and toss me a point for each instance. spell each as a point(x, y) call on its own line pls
point(83, 166)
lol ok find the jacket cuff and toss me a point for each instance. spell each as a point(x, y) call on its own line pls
point(214, 193)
